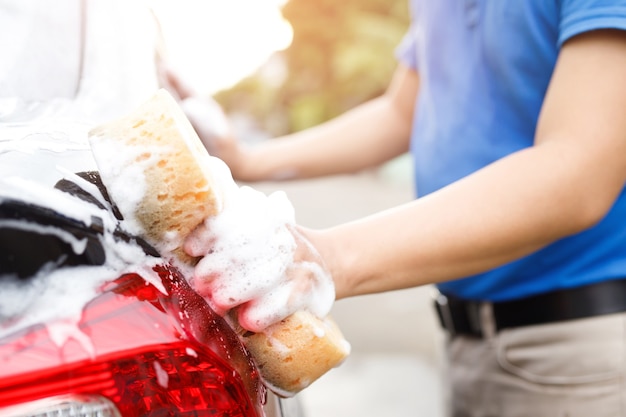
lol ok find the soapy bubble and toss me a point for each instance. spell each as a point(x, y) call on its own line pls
point(254, 257)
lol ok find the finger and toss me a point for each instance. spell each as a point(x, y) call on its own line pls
point(262, 312)
point(312, 288)
point(200, 241)
point(204, 274)
point(305, 251)
point(227, 281)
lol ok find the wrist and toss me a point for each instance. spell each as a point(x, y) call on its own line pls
point(333, 257)
point(236, 157)
point(260, 163)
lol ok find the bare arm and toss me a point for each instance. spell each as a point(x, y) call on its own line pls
point(366, 136)
point(562, 185)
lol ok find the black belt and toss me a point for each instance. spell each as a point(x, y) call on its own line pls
point(462, 317)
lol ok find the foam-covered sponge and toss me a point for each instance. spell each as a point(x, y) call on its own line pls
point(159, 174)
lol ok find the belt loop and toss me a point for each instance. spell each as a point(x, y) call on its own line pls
point(445, 314)
point(487, 320)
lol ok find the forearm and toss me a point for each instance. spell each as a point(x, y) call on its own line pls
point(497, 215)
point(366, 136)
point(347, 144)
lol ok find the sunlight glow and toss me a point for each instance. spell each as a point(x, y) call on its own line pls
point(216, 43)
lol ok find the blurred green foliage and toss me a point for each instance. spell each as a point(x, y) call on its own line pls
point(341, 55)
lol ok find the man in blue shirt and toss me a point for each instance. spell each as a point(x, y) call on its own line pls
point(514, 114)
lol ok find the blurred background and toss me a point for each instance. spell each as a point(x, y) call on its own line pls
point(279, 66)
point(284, 65)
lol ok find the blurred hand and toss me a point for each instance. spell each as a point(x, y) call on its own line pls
point(256, 260)
point(214, 129)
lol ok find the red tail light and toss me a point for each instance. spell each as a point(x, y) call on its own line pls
point(145, 353)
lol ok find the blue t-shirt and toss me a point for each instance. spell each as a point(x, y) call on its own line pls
point(484, 68)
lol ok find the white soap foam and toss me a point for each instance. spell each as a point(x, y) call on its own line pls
point(127, 168)
point(251, 258)
point(319, 331)
point(36, 137)
point(63, 330)
point(32, 192)
point(57, 296)
point(85, 185)
point(126, 180)
point(278, 346)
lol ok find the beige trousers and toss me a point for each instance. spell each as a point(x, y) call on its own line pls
point(570, 369)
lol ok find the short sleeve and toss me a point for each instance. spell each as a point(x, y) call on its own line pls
point(406, 51)
point(578, 16)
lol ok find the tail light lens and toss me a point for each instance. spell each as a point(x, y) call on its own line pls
point(136, 352)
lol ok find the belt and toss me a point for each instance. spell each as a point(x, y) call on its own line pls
point(462, 317)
